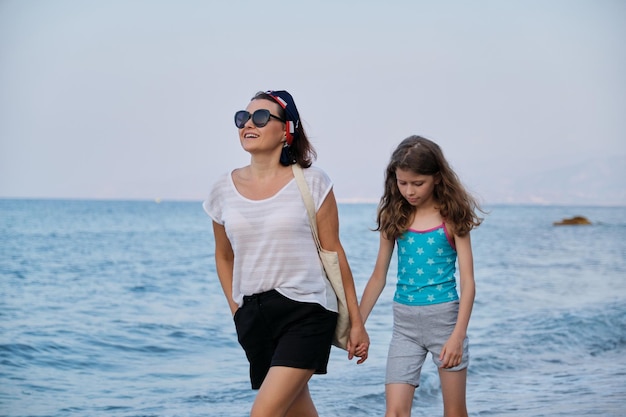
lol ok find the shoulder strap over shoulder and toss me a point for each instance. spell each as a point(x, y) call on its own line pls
point(308, 201)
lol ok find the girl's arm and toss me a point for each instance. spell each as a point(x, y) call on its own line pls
point(328, 230)
point(378, 279)
point(224, 259)
point(452, 351)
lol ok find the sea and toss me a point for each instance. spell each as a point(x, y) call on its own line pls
point(113, 308)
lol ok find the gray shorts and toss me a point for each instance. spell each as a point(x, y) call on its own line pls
point(418, 330)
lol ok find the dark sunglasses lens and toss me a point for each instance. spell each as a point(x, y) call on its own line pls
point(261, 117)
point(241, 117)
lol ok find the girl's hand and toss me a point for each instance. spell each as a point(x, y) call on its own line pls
point(358, 344)
point(452, 352)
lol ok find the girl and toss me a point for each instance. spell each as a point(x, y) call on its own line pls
point(425, 211)
point(267, 261)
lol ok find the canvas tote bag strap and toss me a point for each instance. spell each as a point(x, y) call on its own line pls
point(308, 201)
point(330, 262)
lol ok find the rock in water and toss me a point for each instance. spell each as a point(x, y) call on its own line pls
point(575, 221)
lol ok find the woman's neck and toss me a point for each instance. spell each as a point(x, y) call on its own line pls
point(262, 168)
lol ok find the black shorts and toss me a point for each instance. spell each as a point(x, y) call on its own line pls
point(277, 331)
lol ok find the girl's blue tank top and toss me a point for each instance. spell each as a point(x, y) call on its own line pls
point(426, 267)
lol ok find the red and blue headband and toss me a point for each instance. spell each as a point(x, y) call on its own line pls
point(285, 101)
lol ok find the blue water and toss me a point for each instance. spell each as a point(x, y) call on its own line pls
point(114, 309)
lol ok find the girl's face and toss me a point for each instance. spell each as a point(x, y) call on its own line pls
point(266, 138)
point(417, 189)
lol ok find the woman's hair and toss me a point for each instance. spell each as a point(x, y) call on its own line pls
point(424, 157)
point(301, 150)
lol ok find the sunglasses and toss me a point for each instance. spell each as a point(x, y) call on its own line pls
point(260, 118)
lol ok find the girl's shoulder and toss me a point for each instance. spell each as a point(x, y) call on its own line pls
point(450, 227)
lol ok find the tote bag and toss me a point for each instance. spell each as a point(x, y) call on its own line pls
point(330, 262)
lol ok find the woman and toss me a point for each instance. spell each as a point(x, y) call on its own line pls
point(267, 262)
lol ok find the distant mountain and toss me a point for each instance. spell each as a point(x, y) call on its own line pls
point(597, 181)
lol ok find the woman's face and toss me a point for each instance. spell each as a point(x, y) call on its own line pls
point(266, 138)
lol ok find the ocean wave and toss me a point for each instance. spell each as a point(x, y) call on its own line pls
point(557, 337)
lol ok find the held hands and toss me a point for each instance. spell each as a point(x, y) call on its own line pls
point(358, 344)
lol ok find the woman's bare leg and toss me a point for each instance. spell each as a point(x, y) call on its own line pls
point(284, 392)
point(303, 405)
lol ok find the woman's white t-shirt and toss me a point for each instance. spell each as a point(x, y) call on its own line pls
point(271, 240)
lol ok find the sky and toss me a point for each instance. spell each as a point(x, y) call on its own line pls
point(134, 99)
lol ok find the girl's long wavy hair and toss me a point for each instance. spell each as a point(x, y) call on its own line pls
point(301, 150)
point(424, 157)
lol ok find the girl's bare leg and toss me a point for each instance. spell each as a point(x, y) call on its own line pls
point(453, 391)
point(399, 398)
